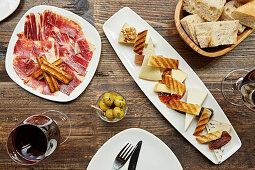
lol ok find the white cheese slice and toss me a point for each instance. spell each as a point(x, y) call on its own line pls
point(148, 72)
point(213, 126)
point(179, 75)
point(163, 89)
point(194, 96)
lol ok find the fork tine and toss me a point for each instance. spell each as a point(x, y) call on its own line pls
point(125, 151)
point(128, 153)
point(122, 149)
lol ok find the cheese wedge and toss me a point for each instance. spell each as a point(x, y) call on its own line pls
point(194, 96)
point(179, 75)
point(149, 72)
point(127, 34)
point(163, 89)
point(213, 126)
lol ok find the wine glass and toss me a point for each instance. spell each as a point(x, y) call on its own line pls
point(38, 136)
point(238, 88)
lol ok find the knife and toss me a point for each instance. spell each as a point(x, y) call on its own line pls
point(134, 157)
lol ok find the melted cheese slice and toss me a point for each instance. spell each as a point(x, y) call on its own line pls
point(179, 75)
point(194, 96)
point(148, 72)
point(213, 126)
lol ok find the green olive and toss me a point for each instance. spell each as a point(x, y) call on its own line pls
point(102, 105)
point(120, 101)
point(108, 99)
point(114, 95)
point(118, 113)
point(109, 114)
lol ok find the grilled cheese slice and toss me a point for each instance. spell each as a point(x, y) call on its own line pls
point(140, 42)
point(176, 86)
point(163, 62)
point(185, 107)
point(209, 137)
point(205, 116)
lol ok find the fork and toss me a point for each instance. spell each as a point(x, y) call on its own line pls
point(123, 156)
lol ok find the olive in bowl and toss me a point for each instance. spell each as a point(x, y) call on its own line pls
point(113, 105)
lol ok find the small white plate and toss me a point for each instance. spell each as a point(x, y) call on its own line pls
point(87, 28)
point(7, 7)
point(112, 29)
point(154, 154)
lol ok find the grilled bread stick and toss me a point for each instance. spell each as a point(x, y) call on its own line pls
point(163, 62)
point(209, 137)
point(206, 114)
point(185, 107)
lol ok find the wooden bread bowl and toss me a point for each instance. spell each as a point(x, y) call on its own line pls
point(209, 52)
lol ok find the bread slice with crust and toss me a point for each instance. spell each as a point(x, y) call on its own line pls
point(227, 14)
point(209, 137)
point(188, 23)
point(163, 62)
point(245, 14)
point(193, 109)
point(209, 10)
point(213, 34)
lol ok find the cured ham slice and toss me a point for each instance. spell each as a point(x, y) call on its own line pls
point(68, 88)
point(53, 36)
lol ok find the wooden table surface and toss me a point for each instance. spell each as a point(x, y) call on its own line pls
point(89, 132)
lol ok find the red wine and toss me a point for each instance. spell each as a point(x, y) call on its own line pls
point(33, 140)
point(30, 142)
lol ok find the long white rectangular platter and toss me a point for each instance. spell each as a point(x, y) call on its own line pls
point(112, 29)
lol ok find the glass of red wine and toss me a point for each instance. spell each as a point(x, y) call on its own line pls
point(238, 88)
point(38, 136)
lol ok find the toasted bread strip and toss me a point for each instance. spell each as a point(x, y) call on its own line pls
point(38, 75)
point(175, 85)
point(209, 137)
point(185, 107)
point(47, 77)
point(202, 122)
point(56, 72)
point(140, 42)
point(163, 62)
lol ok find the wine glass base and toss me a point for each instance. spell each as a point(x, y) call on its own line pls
point(231, 84)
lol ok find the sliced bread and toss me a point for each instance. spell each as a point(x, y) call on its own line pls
point(188, 24)
point(245, 14)
point(213, 34)
point(209, 10)
point(227, 13)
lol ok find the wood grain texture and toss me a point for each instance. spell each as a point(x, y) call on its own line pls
point(89, 132)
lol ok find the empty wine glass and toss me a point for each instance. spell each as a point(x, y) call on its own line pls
point(238, 88)
point(38, 136)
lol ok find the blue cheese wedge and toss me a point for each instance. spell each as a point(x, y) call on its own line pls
point(194, 96)
point(149, 72)
point(213, 126)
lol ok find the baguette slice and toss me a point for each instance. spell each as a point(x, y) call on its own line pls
point(188, 24)
point(176, 86)
point(209, 10)
point(127, 34)
point(209, 137)
point(185, 107)
point(140, 42)
point(206, 114)
point(227, 14)
point(163, 62)
point(246, 14)
point(213, 34)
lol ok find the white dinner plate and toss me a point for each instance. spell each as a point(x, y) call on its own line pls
point(7, 7)
point(112, 29)
point(92, 36)
point(154, 154)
